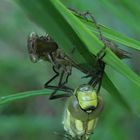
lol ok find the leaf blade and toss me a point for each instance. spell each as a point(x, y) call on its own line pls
point(72, 38)
point(23, 95)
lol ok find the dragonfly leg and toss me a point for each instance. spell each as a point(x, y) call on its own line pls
point(60, 86)
point(68, 91)
point(87, 14)
point(54, 77)
point(101, 76)
point(61, 82)
point(97, 79)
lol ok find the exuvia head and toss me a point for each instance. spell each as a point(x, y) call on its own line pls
point(31, 44)
point(86, 97)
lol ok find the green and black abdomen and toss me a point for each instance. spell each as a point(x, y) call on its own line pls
point(78, 123)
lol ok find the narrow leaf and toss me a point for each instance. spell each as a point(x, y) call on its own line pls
point(23, 95)
point(112, 35)
point(70, 32)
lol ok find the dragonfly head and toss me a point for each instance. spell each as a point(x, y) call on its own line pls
point(31, 44)
point(87, 97)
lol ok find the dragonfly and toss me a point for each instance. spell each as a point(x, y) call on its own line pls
point(83, 105)
point(82, 109)
point(45, 48)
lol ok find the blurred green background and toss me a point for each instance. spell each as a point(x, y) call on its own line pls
point(40, 119)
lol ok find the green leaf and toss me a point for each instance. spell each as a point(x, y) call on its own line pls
point(112, 35)
point(69, 32)
point(23, 95)
point(129, 19)
point(115, 94)
point(93, 44)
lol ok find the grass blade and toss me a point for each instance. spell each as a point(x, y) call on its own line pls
point(70, 32)
point(23, 95)
point(113, 35)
